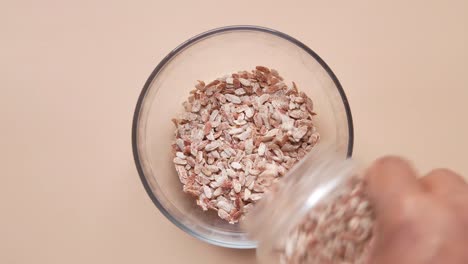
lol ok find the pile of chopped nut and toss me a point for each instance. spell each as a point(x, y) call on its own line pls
point(238, 135)
point(338, 231)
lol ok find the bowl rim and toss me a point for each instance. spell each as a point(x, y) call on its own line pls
point(167, 59)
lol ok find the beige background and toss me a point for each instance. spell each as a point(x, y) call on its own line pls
point(71, 72)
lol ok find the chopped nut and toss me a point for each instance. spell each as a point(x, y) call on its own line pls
point(180, 155)
point(233, 99)
point(264, 69)
point(262, 149)
point(223, 205)
point(244, 82)
point(299, 133)
point(179, 161)
point(239, 91)
point(262, 99)
point(256, 196)
point(244, 135)
point(241, 133)
point(223, 214)
point(249, 112)
point(207, 191)
point(182, 174)
point(249, 146)
point(196, 106)
point(236, 165)
point(238, 130)
point(237, 186)
point(217, 192)
point(231, 173)
point(246, 194)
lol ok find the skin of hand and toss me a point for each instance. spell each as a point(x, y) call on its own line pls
point(419, 220)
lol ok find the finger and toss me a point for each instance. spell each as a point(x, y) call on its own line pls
point(443, 182)
point(389, 180)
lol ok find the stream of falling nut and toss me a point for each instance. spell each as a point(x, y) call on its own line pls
point(237, 136)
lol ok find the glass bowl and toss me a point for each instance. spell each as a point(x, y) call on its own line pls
point(206, 57)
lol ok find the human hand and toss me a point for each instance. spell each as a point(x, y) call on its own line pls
point(418, 220)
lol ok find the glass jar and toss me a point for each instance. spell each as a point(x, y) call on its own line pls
point(317, 213)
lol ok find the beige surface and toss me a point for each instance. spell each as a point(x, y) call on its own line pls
point(71, 72)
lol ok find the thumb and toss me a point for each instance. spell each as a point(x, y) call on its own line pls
point(389, 181)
